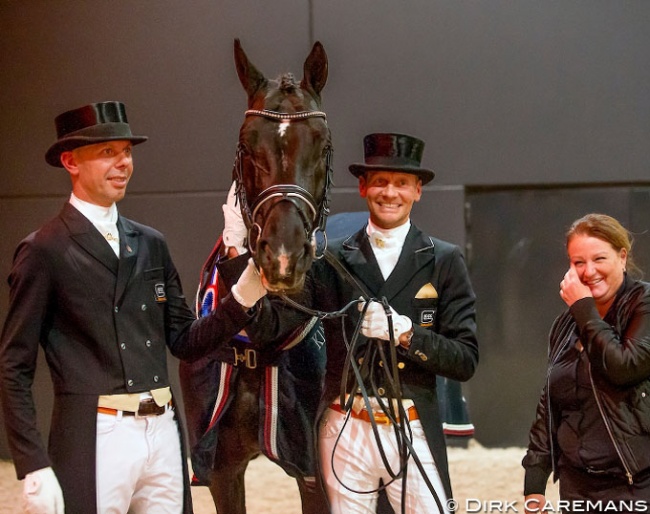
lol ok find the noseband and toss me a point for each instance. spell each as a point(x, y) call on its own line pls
point(315, 222)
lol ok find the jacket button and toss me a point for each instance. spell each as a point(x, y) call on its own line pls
point(643, 395)
point(401, 365)
point(129, 382)
point(155, 378)
point(422, 356)
point(144, 307)
point(148, 343)
point(123, 346)
point(381, 391)
point(116, 309)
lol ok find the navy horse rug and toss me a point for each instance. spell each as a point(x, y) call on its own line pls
point(248, 398)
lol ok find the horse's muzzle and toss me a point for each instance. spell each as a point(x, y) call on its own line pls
point(283, 285)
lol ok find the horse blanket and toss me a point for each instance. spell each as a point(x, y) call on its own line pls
point(289, 386)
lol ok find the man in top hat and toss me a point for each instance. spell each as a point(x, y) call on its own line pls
point(380, 420)
point(101, 295)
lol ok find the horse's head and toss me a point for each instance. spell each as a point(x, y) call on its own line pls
point(283, 169)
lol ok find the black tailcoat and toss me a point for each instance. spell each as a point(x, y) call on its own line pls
point(447, 346)
point(105, 325)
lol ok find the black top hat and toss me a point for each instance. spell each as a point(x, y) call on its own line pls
point(94, 123)
point(392, 152)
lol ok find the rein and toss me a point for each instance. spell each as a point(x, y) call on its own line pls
point(364, 372)
point(313, 224)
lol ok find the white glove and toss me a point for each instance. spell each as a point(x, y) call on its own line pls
point(375, 323)
point(234, 230)
point(249, 289)
point(42, 493)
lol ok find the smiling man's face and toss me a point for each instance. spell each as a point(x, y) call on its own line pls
point(390, 196)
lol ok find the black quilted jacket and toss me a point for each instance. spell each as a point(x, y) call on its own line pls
point(618, 348)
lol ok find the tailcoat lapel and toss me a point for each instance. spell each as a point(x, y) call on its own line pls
point(358, 257)
point(128, 254)
point(84, 233)
point(417, 253)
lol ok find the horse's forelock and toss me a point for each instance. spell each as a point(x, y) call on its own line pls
point(287, 83)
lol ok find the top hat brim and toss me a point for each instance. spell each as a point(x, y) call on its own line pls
point(53, 155)
point(425, 175)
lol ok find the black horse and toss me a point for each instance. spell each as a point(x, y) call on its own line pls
point(283, 169)
point(246, 399)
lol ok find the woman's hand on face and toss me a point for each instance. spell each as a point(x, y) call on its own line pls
point(572, 289)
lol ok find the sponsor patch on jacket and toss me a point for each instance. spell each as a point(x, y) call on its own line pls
point(159, 292)
point(426, 317)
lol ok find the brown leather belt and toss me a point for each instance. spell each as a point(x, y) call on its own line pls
point(379, 417)
point(146, 408)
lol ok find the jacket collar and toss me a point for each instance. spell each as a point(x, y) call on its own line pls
point(129, 243)
point(84, 233)
point(356, 253)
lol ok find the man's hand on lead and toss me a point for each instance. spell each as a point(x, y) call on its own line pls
point(375, 323)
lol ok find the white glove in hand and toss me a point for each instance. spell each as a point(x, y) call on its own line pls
point(249, 289)
point(42, 493)
point(375, 323)
point(234, 230)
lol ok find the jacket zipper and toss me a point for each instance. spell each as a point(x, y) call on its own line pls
point(628, 474)
point(549, 415)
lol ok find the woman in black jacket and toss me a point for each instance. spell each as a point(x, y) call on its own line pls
point(592, 429)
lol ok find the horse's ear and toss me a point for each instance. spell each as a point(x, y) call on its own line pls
point(249, 76)
point(315, 69)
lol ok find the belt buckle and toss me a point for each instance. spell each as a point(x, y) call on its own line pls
point(381, 418)
point(249, 357)
point(149, 408)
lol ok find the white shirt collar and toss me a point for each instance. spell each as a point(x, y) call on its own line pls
point(95, 213)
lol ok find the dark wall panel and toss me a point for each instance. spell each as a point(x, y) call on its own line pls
point(170, 62)
point(503, 92)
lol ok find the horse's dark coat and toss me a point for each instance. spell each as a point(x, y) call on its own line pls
point(248, 397)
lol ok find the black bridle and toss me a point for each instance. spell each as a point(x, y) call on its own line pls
point(318, 213)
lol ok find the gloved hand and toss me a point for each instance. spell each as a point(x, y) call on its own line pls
point(234, 230)
point(249, 289)
point(375, 323)
point(42, 493)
